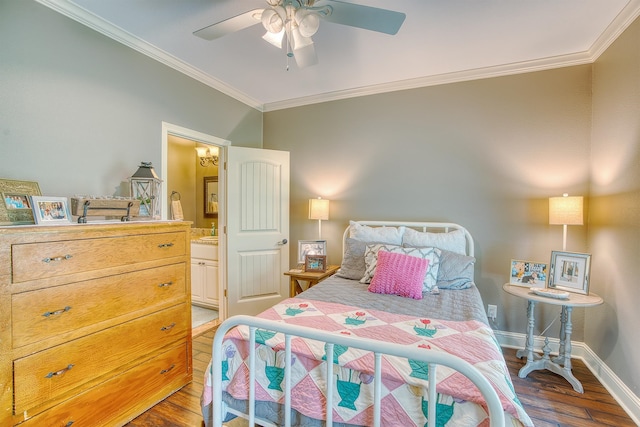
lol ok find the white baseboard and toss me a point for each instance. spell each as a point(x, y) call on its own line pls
point(620, 392)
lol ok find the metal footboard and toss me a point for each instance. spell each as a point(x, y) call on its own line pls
point(496, 414)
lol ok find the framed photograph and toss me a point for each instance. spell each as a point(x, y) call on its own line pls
point(570, 272)
point(50, 210)
point(528, 273)
point(315, 263)
point(15, 208)
point(16, 201)
point(311, 247)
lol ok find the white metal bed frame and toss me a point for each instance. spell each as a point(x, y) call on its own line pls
point(496, 414)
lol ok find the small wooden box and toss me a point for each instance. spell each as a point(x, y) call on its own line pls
point(104, 207)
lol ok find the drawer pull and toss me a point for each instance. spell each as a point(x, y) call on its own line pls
point(168, 327)
point(164, 371)
point(165, 245)
point(164, 285)
point(60, 372)
point(57, 258)
point(57, 312)
point(68, 424)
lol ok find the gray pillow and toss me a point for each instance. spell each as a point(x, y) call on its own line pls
point(353, 266)
point(456, 271)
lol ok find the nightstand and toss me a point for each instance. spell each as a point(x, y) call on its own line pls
point(312, 278)
point(560, 365)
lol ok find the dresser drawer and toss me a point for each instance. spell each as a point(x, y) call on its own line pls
point(45, 313)
point(51, 373)
point(105, 405)
point(31, 261)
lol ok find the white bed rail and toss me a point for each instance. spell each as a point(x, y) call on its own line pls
point(496, 414)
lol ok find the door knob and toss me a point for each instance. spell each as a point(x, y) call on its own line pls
point(283, 242)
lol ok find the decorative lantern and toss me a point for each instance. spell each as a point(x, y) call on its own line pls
point(145, 186)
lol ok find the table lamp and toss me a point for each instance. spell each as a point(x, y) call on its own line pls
point(565, 211)
point(319, 209)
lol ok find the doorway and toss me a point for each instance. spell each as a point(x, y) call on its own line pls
point(185, 180)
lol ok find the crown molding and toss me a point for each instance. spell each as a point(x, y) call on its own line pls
point(625, 18)
point(608, 36)
point(621, 22)
point(439, 79)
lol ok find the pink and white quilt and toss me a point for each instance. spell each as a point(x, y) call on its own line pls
point(404, 381)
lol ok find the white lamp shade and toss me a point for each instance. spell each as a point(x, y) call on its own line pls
point(308, 22)
point(566, 210)
point(274, 38)
point(319, 209)
point(273, 19)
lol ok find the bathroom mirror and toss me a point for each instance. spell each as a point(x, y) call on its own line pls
point(210, 196)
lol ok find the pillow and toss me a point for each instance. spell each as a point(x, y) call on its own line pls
point(399, 274)
point(429, 283)
point(364, 233)
point(455, 271)
point(353, 266)
point(453, 241)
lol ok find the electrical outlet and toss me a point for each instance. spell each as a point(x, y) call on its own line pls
point(492, 311)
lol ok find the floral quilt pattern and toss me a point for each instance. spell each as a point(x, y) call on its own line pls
point(404, 382)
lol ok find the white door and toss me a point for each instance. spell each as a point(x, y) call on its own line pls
point(257, 229)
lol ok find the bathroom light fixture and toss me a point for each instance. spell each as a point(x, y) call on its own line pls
point(319, 209)
point(207, 156)
point(565, 211)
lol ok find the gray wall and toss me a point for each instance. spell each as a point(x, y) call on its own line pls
point(614, 223)
point(486, 154)
point(79, 111)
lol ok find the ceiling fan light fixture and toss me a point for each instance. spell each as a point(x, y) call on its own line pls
point(308, 22)
point(298, 41)
point(299, 20)
point(273, 19)
point(274, 38)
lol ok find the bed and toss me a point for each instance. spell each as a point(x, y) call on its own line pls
point(401, 311)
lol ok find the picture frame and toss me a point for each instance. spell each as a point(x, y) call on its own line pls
point(528, 273)
point(570, 271)
point(311, 247)
point(50, 210)
point(11, 212)
point(315, 263)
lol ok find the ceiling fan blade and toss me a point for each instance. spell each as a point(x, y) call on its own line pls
point(365, 17)
point(305, 56)
point(230, 25)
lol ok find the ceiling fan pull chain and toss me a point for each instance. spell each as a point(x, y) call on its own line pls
point(289, 53)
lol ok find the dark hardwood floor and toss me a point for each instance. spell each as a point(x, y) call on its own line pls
point(548, 398)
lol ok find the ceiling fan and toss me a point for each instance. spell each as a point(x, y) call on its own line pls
point(296, 21)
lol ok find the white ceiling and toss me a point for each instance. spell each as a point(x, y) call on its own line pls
point(440, 41)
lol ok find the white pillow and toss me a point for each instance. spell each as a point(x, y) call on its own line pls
point(429, 283)
point(453, 241)
point(364, 233)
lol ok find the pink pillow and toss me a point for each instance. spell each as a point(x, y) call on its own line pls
point(399, 274)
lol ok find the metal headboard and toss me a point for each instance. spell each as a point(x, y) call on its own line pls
point(432, 227)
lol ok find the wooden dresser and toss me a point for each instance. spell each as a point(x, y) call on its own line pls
point(95, 321)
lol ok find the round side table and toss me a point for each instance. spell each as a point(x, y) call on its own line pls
point(560, 365)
